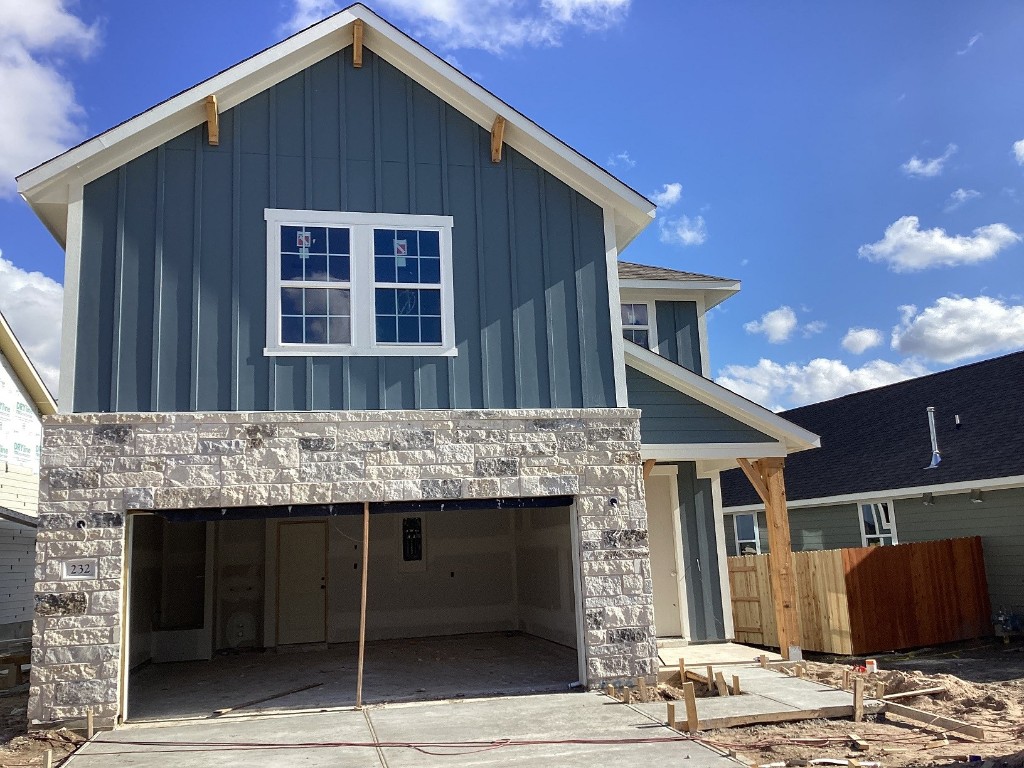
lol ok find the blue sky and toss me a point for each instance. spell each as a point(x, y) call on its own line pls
point(852, 163)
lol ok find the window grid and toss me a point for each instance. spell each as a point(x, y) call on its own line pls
point(878, 524)
point(315, 295)
point(636, 323)
point(407, 286)
point(745, 527)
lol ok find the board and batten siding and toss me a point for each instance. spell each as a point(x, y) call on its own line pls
point(173, 279)
point(17, 572)
point(828, 527)
point(669, 416)
point(679, 333)
point(998, 519)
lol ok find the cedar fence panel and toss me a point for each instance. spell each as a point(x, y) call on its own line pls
point(870, 599)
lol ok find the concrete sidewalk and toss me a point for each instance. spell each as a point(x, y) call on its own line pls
point(313, 739)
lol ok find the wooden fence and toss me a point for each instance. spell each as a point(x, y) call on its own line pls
point(870, 599)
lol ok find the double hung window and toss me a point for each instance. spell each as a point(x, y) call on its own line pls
point(878, 524)
point(747, 540)
point(636, 324)
point(358, 284)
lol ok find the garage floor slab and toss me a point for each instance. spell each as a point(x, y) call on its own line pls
point(467, 733)
point(395, 670)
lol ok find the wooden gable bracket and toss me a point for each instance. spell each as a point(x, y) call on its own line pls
point(497, 138)
point(649, 467)
point(767, 478)
point(212, 121)
point(357, 43)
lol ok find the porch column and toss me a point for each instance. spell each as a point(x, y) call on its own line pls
point(767, 478)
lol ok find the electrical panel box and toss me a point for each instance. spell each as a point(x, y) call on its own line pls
point(412, 539)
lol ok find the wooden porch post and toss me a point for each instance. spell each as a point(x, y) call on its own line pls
point(767, 478)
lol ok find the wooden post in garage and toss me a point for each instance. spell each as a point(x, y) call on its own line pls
point(362, 605)
point(767, 478)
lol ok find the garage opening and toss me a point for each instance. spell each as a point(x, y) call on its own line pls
point(258, 609)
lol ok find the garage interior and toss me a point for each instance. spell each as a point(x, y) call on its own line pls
point(228, 607)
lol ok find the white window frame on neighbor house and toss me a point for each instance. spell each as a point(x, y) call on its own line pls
point(756, 541)
point(362, 283)
point(650, 327)
point(886, 528)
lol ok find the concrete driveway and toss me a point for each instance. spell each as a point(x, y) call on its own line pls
point(326, 738)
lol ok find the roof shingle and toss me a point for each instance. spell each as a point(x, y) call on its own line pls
point(629, 270)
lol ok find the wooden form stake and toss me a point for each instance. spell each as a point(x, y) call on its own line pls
point(89, 724)
point(357, 43)
point(362, 606)
point(497, 138)
point(212, 121)
point(671, 715)
point(736, 685)
point(723, 689)
point(690, 698)
point(858, 699)
point(48, 759)
point(767, 478)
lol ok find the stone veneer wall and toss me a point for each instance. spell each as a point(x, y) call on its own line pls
point(96, 467)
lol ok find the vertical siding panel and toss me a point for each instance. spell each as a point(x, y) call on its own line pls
point(272, 198)
point(530, 311)
point(135, 342)
point(213, 358)
point(307, 177)
point(327, 374)
point(158, 275)
point(545, 265)
point(565, 334)
point(115, 330)
point(518, 364)
point(346, 370)
point(678, 334)
point(598, 368)
point(96, 295)
point(289, 111)
point(255, 368)
point(197, 244)
point(236, 255)
point(176, 311)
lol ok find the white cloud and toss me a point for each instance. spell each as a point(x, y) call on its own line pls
point(960, 196)
point(39, 116)
point(956, 328)
point(813, 328)
point(970, 44)
point(684, 230)
point(908, 248)
point(622, 159)
point(778, 324)
point(668, 196)
point(490, 25)
point(1018, 151)
point(915, 166)
point(787, 385)
point(32, 304)
point(860, 340)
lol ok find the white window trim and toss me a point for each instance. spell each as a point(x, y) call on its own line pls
point(736, 533)
point(652, 322)
point(361, 283)
point(892, 521)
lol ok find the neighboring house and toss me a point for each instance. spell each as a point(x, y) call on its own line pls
point(355, 276)
point(871, 482)
point(23, 400)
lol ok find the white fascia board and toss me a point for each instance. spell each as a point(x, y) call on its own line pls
point(942, 489)
point(48, 183)
point(711, 451)
point(718, 397)
point(713, 292)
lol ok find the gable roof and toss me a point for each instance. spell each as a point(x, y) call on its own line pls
point(629, 270)
point(47, 187)
point(792, 436)
point(878, 440)
point(27, 374)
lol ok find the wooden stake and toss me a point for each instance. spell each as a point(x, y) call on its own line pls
point(764, 661)
point(212, 121)
point(48, 759)
point(357, 43)
point(89, 730)
point(497, 138)
point(362, 607)
point(711, 678)
point(642, 685)
point(799, 670)
point(690, 698)
point(736, 685)
point(846, 679)
point(858, 700)
point(670, 718)
point(682, 671)
point(610, 690)
point(879, 690)
point(723, 689)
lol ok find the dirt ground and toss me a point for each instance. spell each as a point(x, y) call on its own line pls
point(19, 748)
point(983, 685)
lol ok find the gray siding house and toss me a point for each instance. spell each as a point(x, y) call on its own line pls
point(872, 482)
point(339, 279)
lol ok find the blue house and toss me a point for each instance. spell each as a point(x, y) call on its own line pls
point(336, 320)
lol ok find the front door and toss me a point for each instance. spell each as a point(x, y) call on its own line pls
point(302, 583)
point(663, 533)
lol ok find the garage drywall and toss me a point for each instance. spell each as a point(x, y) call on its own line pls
point(544, 575)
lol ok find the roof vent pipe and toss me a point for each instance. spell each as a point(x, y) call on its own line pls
point(936, 456)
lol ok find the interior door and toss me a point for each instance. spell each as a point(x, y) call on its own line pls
point(663, 536)
point(302, 582)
